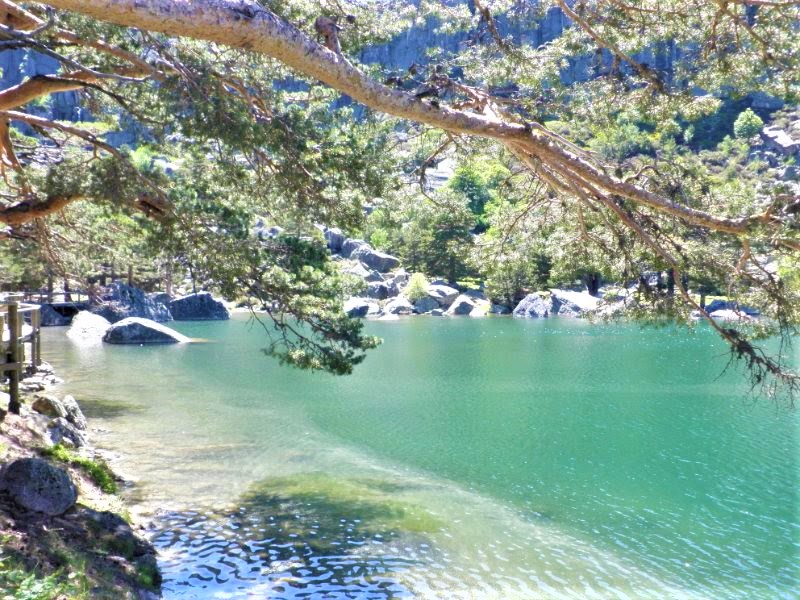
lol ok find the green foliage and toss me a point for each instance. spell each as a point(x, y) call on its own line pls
point(417, 288)
point(98, 471)
point(20, 583)
point(747, 125)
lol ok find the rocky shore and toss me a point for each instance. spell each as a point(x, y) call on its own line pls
point(65, 533)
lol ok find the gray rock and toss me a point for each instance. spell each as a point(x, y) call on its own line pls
point(437, 312)
point(789, 173)
point(356, 308)
point(87, 326)
point(74, 412)
point(198, 307)
point(461, 306)
point(334, 238)
point(49, 405)
point(426, 304)
point(134, 330)
point(61, 431)
point(380, 261)
point(534, 306)
point(378, 290)
point(720, 305)
point(398, 306)
point(443, 294)
point(373, 276)
point(400, 278)
point(351, 245)
point(358, 270)
point(35, 484)
point(160, 298)
point(123, 301)
point(50, 317)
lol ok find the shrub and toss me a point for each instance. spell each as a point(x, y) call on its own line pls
point(747, 125)
point(417, 287)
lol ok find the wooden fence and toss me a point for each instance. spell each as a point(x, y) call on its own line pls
point(20, 324)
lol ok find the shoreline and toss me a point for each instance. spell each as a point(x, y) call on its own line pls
point(94, 549)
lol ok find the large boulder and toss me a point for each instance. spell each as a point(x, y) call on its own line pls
point(61, 431)
point(351, 245)
point(48, 405)
point(398, 306)
point(134, 330)
point(334, 238)
point(378, 290)
point(198, 307)
point(567, 303)
point(425, 305)
point(35, 484)
point(463, 305)
point(357, 308)
point(730, 315)
point(534, 306)
point(482, 307)
point(88, 327)
point(380, 261)
point(74, 413)
point(50, 317)
point(122, 301)
point(443, 294)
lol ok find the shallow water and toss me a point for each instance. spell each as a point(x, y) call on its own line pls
point(466, 458)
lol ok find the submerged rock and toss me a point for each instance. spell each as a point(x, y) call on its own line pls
point(198, 307)
point(36, 485)
point(134, 330)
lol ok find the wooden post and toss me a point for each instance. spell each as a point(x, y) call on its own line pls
point(36, 346)
point(13, 357)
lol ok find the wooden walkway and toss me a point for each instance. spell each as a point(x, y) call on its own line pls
point(20, 325)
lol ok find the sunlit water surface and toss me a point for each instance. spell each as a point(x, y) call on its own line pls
point(465, 458)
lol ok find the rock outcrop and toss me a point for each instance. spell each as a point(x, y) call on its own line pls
point(123, 301)
point(534, 306)
point(35, 484)
point(198, 307)
point(380, 261)
point(135, 330)
point(50, 317)
point(443, 294)
point(61, 431)
point(463, 305)
point(425, 305)
point(398, 306)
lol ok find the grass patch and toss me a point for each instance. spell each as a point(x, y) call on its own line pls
point(98, 471)
point(20, 583)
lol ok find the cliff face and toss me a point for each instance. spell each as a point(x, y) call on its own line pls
point(17, 65)
point(406, 49)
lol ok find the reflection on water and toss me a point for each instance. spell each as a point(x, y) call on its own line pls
point(464, 459)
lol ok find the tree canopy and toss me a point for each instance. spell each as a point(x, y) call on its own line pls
point(266, 108)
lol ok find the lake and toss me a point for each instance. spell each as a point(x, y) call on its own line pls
point(465, 458)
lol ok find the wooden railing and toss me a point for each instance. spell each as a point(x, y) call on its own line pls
point(14, 334)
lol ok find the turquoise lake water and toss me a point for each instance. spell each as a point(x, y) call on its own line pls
point(466, 458)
